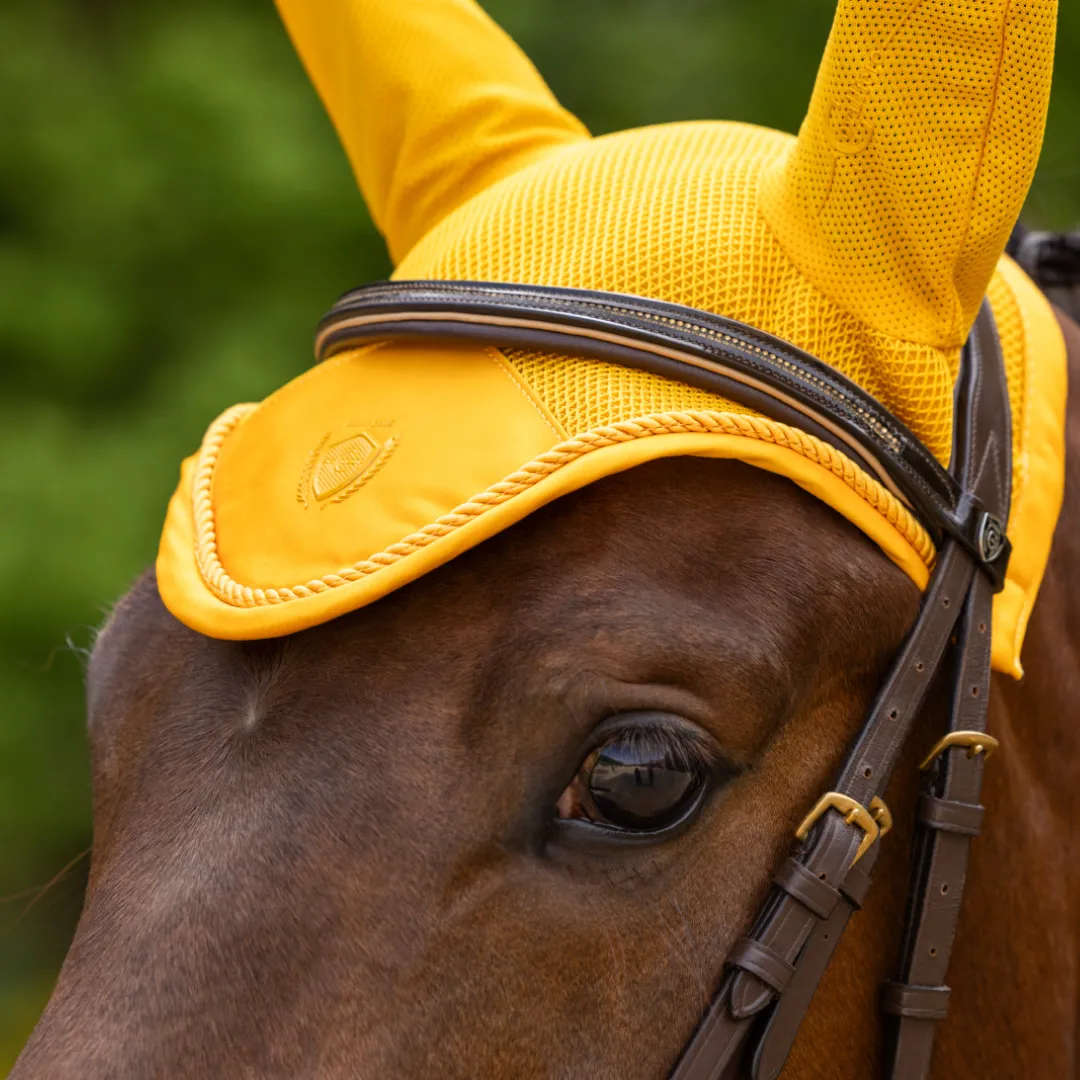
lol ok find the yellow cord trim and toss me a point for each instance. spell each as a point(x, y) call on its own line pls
point(674, 423)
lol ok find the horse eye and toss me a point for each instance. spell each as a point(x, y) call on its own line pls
point(640, 778)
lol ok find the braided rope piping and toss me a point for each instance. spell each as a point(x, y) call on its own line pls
point(233, 593)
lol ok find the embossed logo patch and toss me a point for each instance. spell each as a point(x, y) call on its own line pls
point(342, 463)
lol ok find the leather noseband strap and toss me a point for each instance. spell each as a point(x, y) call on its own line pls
point(772, 973)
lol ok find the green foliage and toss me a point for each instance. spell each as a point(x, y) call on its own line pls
point(174, 216)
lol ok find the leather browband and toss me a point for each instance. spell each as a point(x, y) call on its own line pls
point(726, 357)
point(772, 973)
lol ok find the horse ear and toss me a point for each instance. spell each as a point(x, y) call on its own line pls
point(913, 162)
point(432, 101)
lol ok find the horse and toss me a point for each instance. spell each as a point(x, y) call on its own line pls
point(411, 837)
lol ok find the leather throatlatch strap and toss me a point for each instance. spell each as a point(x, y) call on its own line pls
point(772, 973)
point(740, 1034)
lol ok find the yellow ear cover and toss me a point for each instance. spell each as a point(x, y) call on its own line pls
point(432, 102)
point(385, 462)
point(868, 242)
point(915, 158)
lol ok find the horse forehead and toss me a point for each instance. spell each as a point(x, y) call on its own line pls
point(651, 540)
point(625, 562)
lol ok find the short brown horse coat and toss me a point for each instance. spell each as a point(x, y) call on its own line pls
point(326, 856)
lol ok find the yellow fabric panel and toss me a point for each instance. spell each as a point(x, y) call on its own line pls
point(1036, 363)
point(915, 157)
point(358, 453)
point(236, 610)
point(432, 101)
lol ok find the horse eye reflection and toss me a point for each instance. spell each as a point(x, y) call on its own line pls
point(637, 779)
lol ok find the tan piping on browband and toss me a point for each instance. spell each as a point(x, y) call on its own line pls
point(616, 339)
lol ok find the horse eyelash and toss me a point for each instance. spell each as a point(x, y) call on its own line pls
point(685, 747)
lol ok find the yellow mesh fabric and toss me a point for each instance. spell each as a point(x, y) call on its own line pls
point(914, 159)
point(673, 213)
point(584, 395)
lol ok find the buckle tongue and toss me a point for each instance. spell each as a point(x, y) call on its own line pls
point(977, 742)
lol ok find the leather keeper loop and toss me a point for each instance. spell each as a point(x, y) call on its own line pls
point(770, 967)
point(805, 886)
point(915, 1002)
point(856, 885)
point(950, 816)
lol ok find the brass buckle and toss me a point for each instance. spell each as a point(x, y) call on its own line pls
point(881, 814)
point(854, 814)
point(977, 742)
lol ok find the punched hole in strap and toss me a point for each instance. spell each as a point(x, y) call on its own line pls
point(769, 966)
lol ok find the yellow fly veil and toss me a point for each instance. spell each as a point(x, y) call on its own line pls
point(867, 241)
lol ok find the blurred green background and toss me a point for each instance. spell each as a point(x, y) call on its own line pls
point(174, 216)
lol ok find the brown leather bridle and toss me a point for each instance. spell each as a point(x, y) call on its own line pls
point(771, 974)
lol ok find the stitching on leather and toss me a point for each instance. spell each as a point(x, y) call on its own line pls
point(748, 341)
point(835, 396)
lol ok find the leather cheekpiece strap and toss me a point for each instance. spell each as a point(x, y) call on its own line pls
point(949, 811)
point(781, 1024)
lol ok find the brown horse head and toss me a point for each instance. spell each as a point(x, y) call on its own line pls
point(506, 816)
point(342, 853)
